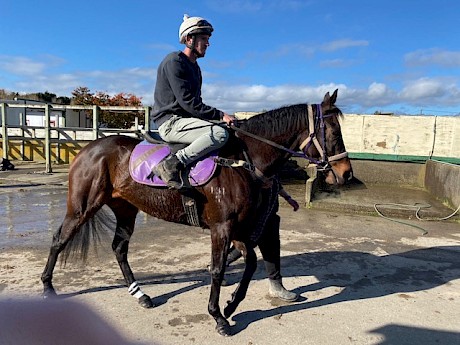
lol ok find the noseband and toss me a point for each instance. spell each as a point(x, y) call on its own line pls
point(313, 121)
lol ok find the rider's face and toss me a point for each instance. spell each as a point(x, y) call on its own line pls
point(201, 44)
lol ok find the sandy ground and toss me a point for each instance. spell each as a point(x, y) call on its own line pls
point(362, 280)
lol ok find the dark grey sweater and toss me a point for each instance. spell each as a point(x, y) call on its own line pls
point(178, 91)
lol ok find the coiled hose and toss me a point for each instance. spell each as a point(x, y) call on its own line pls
point(418, 207)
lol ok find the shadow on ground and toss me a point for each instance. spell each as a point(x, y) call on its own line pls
point(357, 275)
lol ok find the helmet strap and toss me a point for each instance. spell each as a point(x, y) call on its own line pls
point(191, 46)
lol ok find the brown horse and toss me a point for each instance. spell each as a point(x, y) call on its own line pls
point(227, 205)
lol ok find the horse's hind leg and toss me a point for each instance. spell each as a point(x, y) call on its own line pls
point(61, 237)
point(126, 217)
point(250, 267)
point(84, 199)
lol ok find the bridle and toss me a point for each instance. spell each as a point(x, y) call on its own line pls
point(314, 122)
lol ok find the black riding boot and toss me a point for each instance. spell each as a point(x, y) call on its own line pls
point(233, 255)
point(277, 290)
point(169, 171)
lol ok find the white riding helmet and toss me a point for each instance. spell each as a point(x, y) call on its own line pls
point(194, 26)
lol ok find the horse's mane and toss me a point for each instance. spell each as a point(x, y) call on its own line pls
point(276, 122)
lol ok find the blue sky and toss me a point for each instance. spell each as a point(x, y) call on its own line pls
point(392, 56)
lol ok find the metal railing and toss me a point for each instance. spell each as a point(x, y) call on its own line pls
point(55, 136)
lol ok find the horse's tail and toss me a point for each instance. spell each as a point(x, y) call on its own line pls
point(100, 226)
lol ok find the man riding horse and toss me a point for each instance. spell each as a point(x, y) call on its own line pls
point(178, 111)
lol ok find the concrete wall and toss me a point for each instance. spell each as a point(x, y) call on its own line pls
point(399, 137)
point(402, 136)
point(443, 181)
point(389, 173)
point(440, 179)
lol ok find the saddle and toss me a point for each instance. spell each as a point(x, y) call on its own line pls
point(153, 150)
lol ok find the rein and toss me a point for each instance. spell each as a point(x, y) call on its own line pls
point(312, 138)
point(269, 142)
point(323, 164)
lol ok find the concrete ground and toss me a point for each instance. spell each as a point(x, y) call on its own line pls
point(363, 279)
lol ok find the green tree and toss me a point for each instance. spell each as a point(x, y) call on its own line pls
point(36, 96)
point(121, 119)
point(46, 97)
point(82, 96)
point(5, 94)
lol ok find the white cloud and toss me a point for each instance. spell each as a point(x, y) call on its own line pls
point(336, 63)
point(163, 47)
point(245, 6)
point(236, 6)
point(436, 93)
point(343, 44)
point(138, 81)
point(377, 90)
point(310, 50)
point(294, 48)
point(20, 65)
point(259, 97)
point(434, 56)
point(423, 88)
point(432, 92)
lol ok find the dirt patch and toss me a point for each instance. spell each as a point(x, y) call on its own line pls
point(356, 275)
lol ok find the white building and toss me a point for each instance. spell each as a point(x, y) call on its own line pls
point(36, 116)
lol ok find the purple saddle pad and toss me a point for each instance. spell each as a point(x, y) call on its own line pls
point(146, 155)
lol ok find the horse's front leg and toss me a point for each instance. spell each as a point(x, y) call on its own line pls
point(220, 245)
point(120, 248)
point(239, 294)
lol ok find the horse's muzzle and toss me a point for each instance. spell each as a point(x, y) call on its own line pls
point(339, 173)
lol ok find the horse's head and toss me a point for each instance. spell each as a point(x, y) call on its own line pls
point(270, 138)
point(324, 142)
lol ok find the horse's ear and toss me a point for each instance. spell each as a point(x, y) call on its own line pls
point(334, 97)
point(330, 100)
point(326, 99)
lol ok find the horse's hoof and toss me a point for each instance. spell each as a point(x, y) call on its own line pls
point(146, 302)
point(224, 329)
point(49, 294)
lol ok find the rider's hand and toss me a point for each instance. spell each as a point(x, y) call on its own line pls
point(229, 119)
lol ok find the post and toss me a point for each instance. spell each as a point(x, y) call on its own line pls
point(95, 122)
point(22, 123)
point(47, 139)
point(147, 118)
point(58, 146)
point(4, 131)
point(136, 122)
point(310, 185)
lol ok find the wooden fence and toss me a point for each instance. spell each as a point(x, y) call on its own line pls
point(56, 143)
